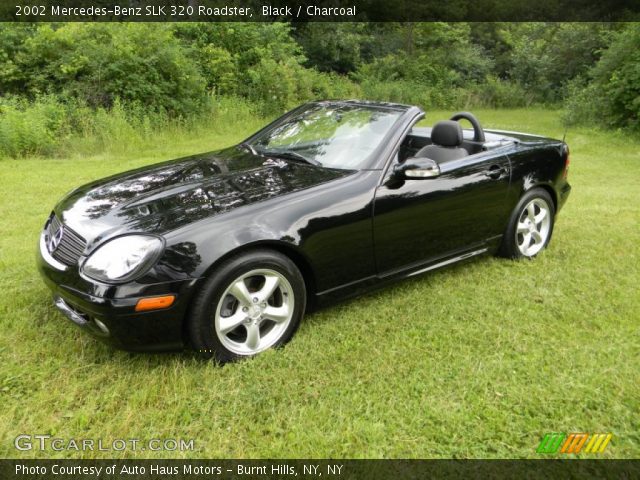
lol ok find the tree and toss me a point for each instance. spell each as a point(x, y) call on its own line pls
point(616, 79)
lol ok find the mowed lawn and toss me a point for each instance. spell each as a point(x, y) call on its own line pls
point(478, 360)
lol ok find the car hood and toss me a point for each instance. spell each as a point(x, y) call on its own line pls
point(168, 195)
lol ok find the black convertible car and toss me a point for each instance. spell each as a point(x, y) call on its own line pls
point(223, 252)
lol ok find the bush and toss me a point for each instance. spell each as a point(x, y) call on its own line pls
point(610, 95)
point(402, 67)
point(279, 86)
point(413, 93)
point(96, 63)
point(333, 47)
point(496, 93)
point(48, 126)
point(546, 57)
point(583, 104)
point(616, 78)
point(31, 128)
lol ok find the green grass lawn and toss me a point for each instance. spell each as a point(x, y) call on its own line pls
point(479, 360)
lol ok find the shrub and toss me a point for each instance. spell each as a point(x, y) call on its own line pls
point(610, 93)
point(333, 47)
point(31, 128)
point(413, 93)
point(278, 86)
point(49, 126)
point(617, 79)
point(583, 104)
point(401, 66)
point(97, 63)
point(545, 57)
point(496, 93)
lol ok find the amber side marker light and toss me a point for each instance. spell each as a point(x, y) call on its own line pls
point(155, 303)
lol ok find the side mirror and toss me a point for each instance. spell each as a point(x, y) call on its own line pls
point(417, 168)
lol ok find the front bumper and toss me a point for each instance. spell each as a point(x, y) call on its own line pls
point(107, 312)
point(93, 325)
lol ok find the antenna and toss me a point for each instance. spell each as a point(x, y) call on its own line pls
point(565, 133)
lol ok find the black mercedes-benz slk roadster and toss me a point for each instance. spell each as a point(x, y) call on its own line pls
point(223, 252)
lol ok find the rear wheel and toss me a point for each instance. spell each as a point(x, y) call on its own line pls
point(530, 226)
point(251, 303)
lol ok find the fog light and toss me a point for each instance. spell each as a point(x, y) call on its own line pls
point(155, 303)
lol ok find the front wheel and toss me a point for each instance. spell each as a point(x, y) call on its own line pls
point(530, 226)
point(251, 303)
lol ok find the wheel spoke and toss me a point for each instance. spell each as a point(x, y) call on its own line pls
point(271, 282)
point(531, 212)
point(526, 241)
point(253, 336)
point(522, 228)
point(228, 324)
point(240, 291)
point(538, 218)
point(537, 238)
point(277, 314)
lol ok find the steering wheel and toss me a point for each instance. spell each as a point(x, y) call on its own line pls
point(478, 132)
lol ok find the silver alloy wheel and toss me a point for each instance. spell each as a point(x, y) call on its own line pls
point(254, 311)
point(533, 227)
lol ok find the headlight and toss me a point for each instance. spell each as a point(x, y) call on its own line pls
point(123, 258)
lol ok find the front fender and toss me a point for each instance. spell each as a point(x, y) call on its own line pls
point(328, 227)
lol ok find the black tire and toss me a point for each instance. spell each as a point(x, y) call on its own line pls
point(513, 242)
point(203, 330)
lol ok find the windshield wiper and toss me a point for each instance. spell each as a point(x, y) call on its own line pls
point(249, 147)
point(289, 155)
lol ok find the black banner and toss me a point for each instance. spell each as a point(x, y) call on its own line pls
point(318, 10)
point(308, 469)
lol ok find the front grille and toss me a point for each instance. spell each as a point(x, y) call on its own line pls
point(64, 244)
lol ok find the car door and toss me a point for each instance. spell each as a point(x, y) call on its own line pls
point(418, 221)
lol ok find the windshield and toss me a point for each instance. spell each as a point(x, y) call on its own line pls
point(331, 135)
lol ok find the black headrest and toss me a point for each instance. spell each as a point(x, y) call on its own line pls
point(447, 133)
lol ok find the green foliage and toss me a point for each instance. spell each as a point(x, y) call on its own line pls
point(333, 47)
point(123, 129)
point(584, 104)
point(224, 52)
point(411, 92)
point(50, 127)
point(402, 66)
point(434, 54)
point(435, 65)
point(494, 38)
point(97, 63)
point(31, 128)
point(450, 46)
point(616, 79)
point(247, 43)
point(546, 57)
point(496, 93)
point(12, 38)
point(279, 86)
point(609, 94)
point(64, 80)
point(218, 68)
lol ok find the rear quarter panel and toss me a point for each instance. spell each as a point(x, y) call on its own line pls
point(538, 164)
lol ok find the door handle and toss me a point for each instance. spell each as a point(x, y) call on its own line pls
point(495, 171)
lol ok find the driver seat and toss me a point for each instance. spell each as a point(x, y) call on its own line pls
point(446, 143)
